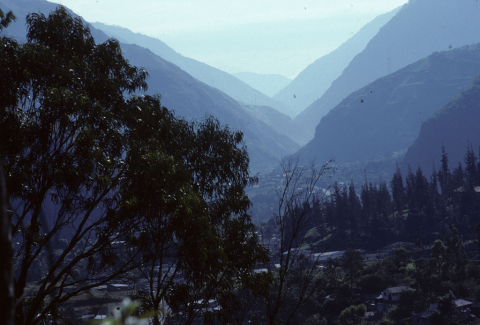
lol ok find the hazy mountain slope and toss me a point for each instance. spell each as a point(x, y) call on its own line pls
point(279, 122)
point(211, 76)
point(21, 8)
point(455, 125)
point(315, 79)
point(269, 84)
point(420, 28)
point(17, 28)
point(385, 116)
point(182, 93)
point(193, 99)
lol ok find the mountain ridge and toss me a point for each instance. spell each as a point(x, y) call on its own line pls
point(268, 84)
point(281, 123)
point(385, 116)
point(420, 28)
point(454, 126)
point(214, 77)
point(182, 93)
point(312, 82)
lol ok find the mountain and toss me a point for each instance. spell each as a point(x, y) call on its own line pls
point(315, 79)
point(420, 28)
point(385, 117)
point(227, 83)
point(187, 96)
point(269, 84)
point(21, 8)
point(193, 99)
point(279, 122)
point(455, 125)
point(17, 28)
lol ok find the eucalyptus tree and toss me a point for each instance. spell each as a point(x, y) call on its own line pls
point(129, 185)
point(189, 211)
point(63, 139)
point(7, 300)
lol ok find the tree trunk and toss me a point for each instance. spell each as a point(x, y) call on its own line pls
point(7, 299)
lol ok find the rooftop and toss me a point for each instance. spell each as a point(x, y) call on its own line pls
point(461, 303)
point(397, 289)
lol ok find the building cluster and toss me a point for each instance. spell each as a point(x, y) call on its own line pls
point(468, 312)
point(273, 245)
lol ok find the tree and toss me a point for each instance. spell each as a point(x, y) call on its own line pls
point(352, 315)
point(470, 161)
point(354, 208)
point(110, 174)
point(476, 231)
point(398, 191)
point(299, 200)
point(7, 299)
point(444, 175)
point(352, 265)
point(444, 314)
point(201, 229)
point(157, 190)
point(6, 19)
point(455, 257)
point(410, 301)
point(64, 144)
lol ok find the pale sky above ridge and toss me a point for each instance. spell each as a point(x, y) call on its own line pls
point(261, 36)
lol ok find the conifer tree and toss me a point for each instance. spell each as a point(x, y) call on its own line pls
point(458, 178)
point(410, 181)
point(470, 161)
point(398, 190)
point(444, 175)
point(354, 207)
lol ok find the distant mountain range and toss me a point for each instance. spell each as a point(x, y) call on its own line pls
point(221, 80)
point(385, 117)
point(187, 96)
point(315, 79)
point(420, 28)
point(455, 126)
point(193, 99)
point(375, 108)
point(269, 84)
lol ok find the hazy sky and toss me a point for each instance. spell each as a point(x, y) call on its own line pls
point(262, 36)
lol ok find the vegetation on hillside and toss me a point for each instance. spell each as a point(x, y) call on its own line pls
point(436, 220)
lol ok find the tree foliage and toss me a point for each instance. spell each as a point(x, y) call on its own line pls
point(7, 299)
point(128, 184)
point(440, 213)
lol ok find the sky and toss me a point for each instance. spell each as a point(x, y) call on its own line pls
point(261, 36)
